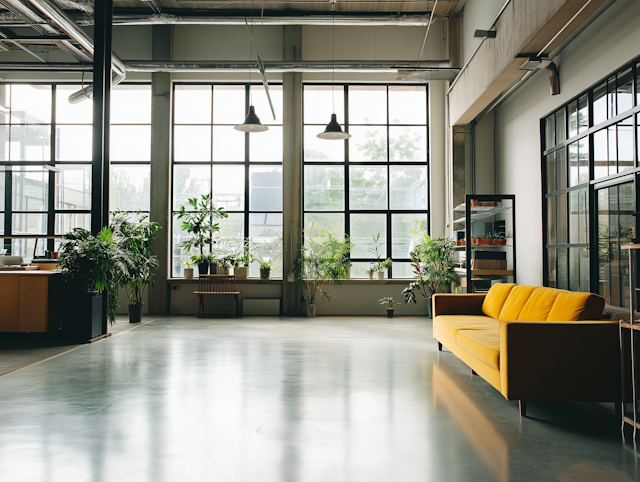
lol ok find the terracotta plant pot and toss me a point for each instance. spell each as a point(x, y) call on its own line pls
point(484, 242)
point(489, 204)
point(474, 240)
point(389, 312)
point(475, 203)
point(501, 242)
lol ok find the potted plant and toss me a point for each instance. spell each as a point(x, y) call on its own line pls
point(376, 266)
point(188, 269)
point(371, 270)
point(199, 220)
point(384, 266)
point(136, 238)
point(202, 262)
point(433, 263)
point(323, 260)
point(92, 266)
point(239, 260)
point(223, 263)
point(265, 267)
point(390, 303)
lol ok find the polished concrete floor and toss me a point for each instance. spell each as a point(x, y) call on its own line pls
point(296, 400)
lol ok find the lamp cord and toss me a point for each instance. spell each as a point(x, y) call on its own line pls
point(333, 57)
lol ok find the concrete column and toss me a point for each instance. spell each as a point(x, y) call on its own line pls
point(161, 168)
point(437, 157)
point(292, 170)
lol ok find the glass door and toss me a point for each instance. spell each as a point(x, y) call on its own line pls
point(616, 227)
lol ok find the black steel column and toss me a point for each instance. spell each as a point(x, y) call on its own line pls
point(101, 122)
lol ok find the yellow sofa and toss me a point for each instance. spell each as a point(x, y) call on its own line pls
point(533, 343)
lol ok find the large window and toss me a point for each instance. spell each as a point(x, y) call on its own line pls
point(377, 181)
point(242, 172)
point(590, 162)
point(45, 159)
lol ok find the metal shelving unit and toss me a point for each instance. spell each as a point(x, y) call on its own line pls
point(497, 263)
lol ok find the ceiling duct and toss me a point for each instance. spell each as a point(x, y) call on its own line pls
point(65, 23)
point(17, 7)
point(409, 20)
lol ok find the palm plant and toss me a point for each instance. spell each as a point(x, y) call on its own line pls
point(136, 237)
point(323, 260)
point(432, 260)
point(95, 263)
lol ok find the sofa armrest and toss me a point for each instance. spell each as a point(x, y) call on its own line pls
point(450, 304)
point(560, 360)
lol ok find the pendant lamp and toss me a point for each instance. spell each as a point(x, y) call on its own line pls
point(333, 131)
point(251, 122)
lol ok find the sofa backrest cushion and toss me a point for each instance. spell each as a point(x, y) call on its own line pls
point(539, 304)
point(494, 301)
point(573, 306)
point(518, 297)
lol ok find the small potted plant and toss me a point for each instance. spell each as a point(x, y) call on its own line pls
point(202, 262)
point(223, 263)
point(371, 270)
point(265, 268)
point(376, 266)
point(391, 304)
point(497, 239)
point(188, 269)
point(384, 266)
point(239, 260)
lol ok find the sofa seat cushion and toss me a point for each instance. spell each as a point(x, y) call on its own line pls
point(451, 324)
point(483, 344)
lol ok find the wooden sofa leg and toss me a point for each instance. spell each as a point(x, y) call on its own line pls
point(523, 408)
point(439, 346)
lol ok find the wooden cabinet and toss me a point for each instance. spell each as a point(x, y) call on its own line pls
point(30, 301)
point(9, 303)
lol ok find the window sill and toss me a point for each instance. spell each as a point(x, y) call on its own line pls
point(358, 281)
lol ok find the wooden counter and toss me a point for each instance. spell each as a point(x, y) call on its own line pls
point(30, 301)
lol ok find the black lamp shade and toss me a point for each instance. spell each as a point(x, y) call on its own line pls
point(333, 131)
point(251, 123)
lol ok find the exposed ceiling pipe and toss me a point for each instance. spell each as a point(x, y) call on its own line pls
point(65, 23)
point(17, 7)
point(82, 5)
point(285, 66)
point(87, 92)
point(62, 20)
point(408, 20)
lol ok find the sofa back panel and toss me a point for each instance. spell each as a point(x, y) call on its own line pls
point(573, 306)
point(518, 297)
point(494, 301)
point(539, 304)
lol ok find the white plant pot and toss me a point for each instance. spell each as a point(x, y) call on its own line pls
point(311, 310)
point(241, 273)
point(370, 275)
point(380, 274)
point(188, 273)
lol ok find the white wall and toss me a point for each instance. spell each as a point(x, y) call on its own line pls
point(477, 15)
point(607, 44)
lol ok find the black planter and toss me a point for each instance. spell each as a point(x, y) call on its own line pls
point(135, 312)
point(203, 268)
point(84, 316)
point(265, 273)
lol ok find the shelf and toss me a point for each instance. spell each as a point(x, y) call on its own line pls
point(484, 246)
point(630, 246)
point(635, 326)
point(481, 212)
point(486, 272)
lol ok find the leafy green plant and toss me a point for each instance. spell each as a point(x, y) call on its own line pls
point(432, 260)
point(389, 301)
point(386, 264)
point(198, 220)
point(374, 248)
point(95, 263)
point(136, 237)
point(323, 260)
point(240, 256)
